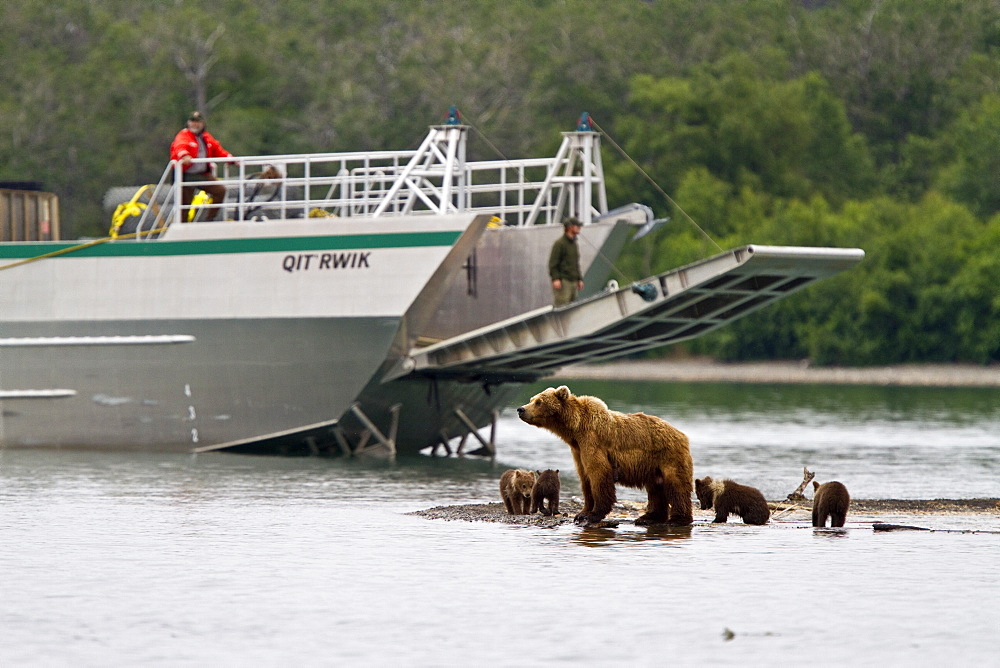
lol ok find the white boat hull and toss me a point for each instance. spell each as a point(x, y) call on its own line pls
point(208, 335)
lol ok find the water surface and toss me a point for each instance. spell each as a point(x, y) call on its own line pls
point(157, 559)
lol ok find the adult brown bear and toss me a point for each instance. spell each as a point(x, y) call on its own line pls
point(636, 450)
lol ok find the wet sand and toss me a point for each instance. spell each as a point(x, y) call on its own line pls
point(780, 511)
point(705, 370)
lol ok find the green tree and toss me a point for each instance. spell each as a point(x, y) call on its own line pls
point(972, 175)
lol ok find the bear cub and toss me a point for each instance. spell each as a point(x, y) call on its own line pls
point(731, 497)
point(608, 447)
point(515, 490)
point(546, 489)
point(830, 500)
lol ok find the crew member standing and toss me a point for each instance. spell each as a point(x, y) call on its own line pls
point(196, 142)
point(564, 264)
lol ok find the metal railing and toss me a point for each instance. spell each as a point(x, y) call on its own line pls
point(433, 179)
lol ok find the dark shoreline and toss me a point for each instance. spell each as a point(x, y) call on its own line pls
point(495, 512)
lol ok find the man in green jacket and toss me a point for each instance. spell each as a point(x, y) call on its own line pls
point(564, 264)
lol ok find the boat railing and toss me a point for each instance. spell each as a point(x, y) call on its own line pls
point(434, 179)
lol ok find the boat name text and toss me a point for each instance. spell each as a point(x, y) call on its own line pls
point(306, 261)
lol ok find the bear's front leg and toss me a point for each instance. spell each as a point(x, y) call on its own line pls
point(522, 504)
point(588, 498)
point(588, 501)
point(722, 511)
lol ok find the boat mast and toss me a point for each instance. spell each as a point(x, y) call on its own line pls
point(439, 160)
point(577, 172)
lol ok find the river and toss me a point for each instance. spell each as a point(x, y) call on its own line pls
point(162, 559)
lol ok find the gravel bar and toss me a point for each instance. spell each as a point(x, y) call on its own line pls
point(495, 512)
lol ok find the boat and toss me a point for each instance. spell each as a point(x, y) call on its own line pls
point(380, 302)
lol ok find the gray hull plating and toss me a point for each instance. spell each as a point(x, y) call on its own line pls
point(227, 380)
point(508, 275)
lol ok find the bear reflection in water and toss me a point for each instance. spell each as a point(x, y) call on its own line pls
point(635, 450)
point(601, 536)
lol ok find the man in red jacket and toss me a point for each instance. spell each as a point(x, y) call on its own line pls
point(195, 142)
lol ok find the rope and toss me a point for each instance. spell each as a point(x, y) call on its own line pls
point(606, 258)
point(488, 142)
point(73, 249)
point(503, 157)
point(653, 183)
point(131, 208)
point(613, 266)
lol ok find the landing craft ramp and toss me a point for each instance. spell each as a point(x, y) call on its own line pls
point(680, 304)
point(456, 387)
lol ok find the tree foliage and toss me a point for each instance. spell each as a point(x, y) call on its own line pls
point(868, 123)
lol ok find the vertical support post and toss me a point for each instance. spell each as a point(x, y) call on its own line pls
point(493, 430)
point(345, 447)
point(442, 442)
point(487, 447)
point(388, 443)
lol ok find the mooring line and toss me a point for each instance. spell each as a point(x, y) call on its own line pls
point(72, 249)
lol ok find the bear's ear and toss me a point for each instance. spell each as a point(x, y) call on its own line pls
point(815, 485)
point(562, 393)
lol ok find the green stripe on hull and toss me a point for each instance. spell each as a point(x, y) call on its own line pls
point(231, 246)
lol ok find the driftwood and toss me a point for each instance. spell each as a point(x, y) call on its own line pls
point(882, 526)
point(779, 511)
point(797, 496)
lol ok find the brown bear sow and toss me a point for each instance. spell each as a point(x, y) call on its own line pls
point(546, 488)
point(731, 497)
point(830, 500)
point(515, 490)
point(636, 450)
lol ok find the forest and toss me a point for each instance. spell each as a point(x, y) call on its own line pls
point(858, 123)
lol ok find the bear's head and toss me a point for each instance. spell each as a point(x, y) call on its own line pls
point(549, 408)
point(547, 478)
point(705, 489)
point(523, 482)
